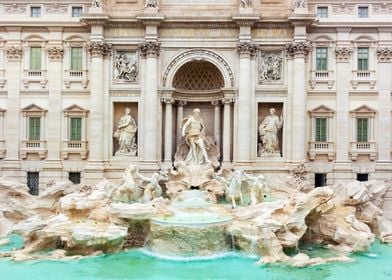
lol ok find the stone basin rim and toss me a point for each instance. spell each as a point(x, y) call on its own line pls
point(161, 221)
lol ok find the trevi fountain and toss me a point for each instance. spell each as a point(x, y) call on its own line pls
point(196, 221)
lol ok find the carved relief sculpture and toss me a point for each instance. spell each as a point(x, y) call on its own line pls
point(126, 68)
point(97, 3)
point(15, 8)
point(299, 3)
point(14, 53)
point(126, 134)
point(270, 67)
point(343, 9)
point(343, 54)
point(56, 8)
point(268, 132)
point(55, 53)
point(151, 4)
point(384, 54)
point(246, 4)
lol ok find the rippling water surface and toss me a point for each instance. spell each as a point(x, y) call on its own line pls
point(134, 264)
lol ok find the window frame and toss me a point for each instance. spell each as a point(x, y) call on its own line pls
point(365, 7)
point(321, 15)
point(325, 59)
point(361, 137)
point(38, 61)
point(79, 59)
point(361, 66)
point(319, 135)
point(363, 112)
point(76, 7)
point(32, 8)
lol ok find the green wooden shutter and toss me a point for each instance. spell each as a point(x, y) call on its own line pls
point(76, 129)
point(363, 59)
point(35, 58)
point(34, 128)
point(321, 130)
point(76, 58)
point(362, 130)
point(321, 58)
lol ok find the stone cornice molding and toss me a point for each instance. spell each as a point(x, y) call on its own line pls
point(245, 20)
point(300, 49)
point(150, 48)
point(13, 28)
point(99, 49)
point(55, 53)
point(247, 49)
point(151, 20)
point(14, 53)
point(384, 54)
point(343, 54)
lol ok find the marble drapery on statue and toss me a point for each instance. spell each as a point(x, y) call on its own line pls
point(193, 131)
point(268, 131)
point(126, 134)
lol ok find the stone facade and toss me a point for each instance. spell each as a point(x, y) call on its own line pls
point(232, 59)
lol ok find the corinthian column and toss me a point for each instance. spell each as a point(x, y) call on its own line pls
point(97, 50)
point(244, 109)
point(226, 131)
point(217, 122)
point(150, 51)
point(180, 116)
point(299, 51)
point(168, 131)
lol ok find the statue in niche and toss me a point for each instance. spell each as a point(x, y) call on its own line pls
point(193, 131)
point(151, 4)
point(126, 134)
point(299, 3)
point(268, 131)
point(126, 67)
point(97, 3)
point(245, 4)
point(270, 67)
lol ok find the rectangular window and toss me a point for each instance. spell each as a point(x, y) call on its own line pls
point(322, 12)
point(363, 59)
point(362, 129)
point(35, 58)
point(76, 129)
point(34, 128)
point(321, 58)
point(35, 11)
point(321, 130)
point(77, 11)
point(33, 182)
point(363, 11)
point(76, 58)
point(74, 177)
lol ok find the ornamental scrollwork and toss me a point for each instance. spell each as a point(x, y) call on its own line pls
point(298, 49)
point(99, 49)
point(150, 48)
point(343, 54)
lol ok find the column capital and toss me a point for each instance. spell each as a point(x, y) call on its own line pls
point(14, 53)
point(150, 48)
point(227, 100)
point(298, 49)
point(343, 54)
point(55, 53)
point(247, 49)
point(384, 54)
point(215, 102)
point(99, 49)
point(181, 103)
point(167, 100)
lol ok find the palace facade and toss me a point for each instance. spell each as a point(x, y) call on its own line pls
point(69, 69)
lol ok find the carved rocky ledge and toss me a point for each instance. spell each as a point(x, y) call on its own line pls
point(384, 54)
point(247, 48)
point(150, 48)
point(343, 54)
point(99, 49)
point(55, 53)
point(14, 53)
point(298, 49)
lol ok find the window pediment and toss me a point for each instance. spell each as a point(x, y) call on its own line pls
point(75, 110)
point(364, 111)
point(322, 111)
point(33, 110)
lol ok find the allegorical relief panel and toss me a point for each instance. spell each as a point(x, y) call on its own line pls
point(270, 67)
point(126, 66)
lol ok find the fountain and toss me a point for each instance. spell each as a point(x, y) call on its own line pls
point(194, 211)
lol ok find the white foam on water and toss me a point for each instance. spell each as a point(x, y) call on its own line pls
point(371, 255)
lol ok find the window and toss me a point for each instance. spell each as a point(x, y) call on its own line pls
point(363, 11)
point(35, 58)
point(362, 177)
point(35, 12)
point(76, 129)
point(362, 129)
point(320, 180)
point(363, 59)
point(33, 182)
point(74, 177)
point(321, 58)
point(322, 12)
point(321, 130)
point(34, 128)
point(76, 58)
point(77, 11)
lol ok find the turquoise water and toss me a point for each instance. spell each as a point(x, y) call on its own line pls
point(374, 265)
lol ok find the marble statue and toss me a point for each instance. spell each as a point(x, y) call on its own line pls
point(246, 3)
point(268, 131)
point(193, 131)
point(126, 67)
point(270, 67)
point(97, 3)
point(299, 3)
point(152, 189)
point(126, 134)
point(129, 189)
point(151, 4)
